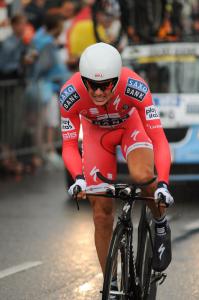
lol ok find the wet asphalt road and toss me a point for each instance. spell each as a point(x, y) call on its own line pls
point(47, 250)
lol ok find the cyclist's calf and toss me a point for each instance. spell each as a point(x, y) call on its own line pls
point(103, 220)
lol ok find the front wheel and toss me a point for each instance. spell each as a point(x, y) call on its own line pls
point(145, 256)
point(117, 274)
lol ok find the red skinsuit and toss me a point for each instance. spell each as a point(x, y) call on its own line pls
point(129, 119)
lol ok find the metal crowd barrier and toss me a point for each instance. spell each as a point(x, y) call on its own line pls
point(15, 120)
point(12, 107)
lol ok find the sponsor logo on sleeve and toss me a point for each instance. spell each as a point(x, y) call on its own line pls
point(151, 113)
point(69, 136)
point(66, 124)
point(69, 96)
point(154, 126)
point(136, 89)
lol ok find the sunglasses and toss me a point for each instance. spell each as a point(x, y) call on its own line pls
point(102, 85)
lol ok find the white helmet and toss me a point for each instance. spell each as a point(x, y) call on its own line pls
point(100, 62)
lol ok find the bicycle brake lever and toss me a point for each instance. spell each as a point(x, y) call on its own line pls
point(77, 189)
point(161, 200)
point(110, 192)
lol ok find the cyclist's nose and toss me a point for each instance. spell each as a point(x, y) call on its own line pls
point(98, 91)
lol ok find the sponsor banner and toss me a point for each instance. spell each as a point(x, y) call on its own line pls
point(151, 113)
point(160, 50)
point(69, 97)
point(161, 100)
point(177, 110)
point(170, 109)
point(136, 89)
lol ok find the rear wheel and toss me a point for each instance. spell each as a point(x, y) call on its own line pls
point(117, 266)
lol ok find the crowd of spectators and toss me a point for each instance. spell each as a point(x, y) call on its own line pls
point(40, 45)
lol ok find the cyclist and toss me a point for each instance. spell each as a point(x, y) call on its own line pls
point(115, 107)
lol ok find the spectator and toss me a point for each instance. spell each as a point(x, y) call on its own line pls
point(128, 19)
point(68, 11)
point(82, 34)
point(195, 26)
point(122, 13)
point(53, 6)
point(171, 28)
point(47, 74)
point(14, 7)
point(13, 49)
point(5, 29)
point(85, 12)
point(35, 12)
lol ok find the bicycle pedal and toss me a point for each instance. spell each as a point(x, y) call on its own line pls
point(159, 277)
point(164, 276)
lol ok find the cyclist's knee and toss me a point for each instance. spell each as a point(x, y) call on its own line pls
point(103, 222)
point(142, 175)
point(103, 211)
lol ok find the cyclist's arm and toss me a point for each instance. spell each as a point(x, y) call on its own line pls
point(152, 124)
point(70, 124)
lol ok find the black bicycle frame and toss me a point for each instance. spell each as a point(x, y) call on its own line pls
point(126, 220)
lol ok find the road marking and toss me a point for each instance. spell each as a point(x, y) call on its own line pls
point(19, 268)
point(90, 285)
point(192, 225)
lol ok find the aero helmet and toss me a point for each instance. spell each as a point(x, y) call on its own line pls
point(100, 62)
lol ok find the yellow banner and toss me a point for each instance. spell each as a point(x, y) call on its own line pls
point(166, 58)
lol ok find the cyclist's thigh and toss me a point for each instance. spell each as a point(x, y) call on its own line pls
point(141, 164)
point(98, 155)
point(134, 135)
point(137, 148)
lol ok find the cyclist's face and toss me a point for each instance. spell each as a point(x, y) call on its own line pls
point(101, 93)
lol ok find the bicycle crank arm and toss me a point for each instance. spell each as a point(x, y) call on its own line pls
point(113, 293)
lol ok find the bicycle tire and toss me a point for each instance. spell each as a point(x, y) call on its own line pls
point(145, 255)
point(120, 237)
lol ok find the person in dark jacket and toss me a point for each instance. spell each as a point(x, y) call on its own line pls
point(35, 12)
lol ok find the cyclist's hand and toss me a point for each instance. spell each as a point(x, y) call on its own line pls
point(80, 184)
point(162, 193)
